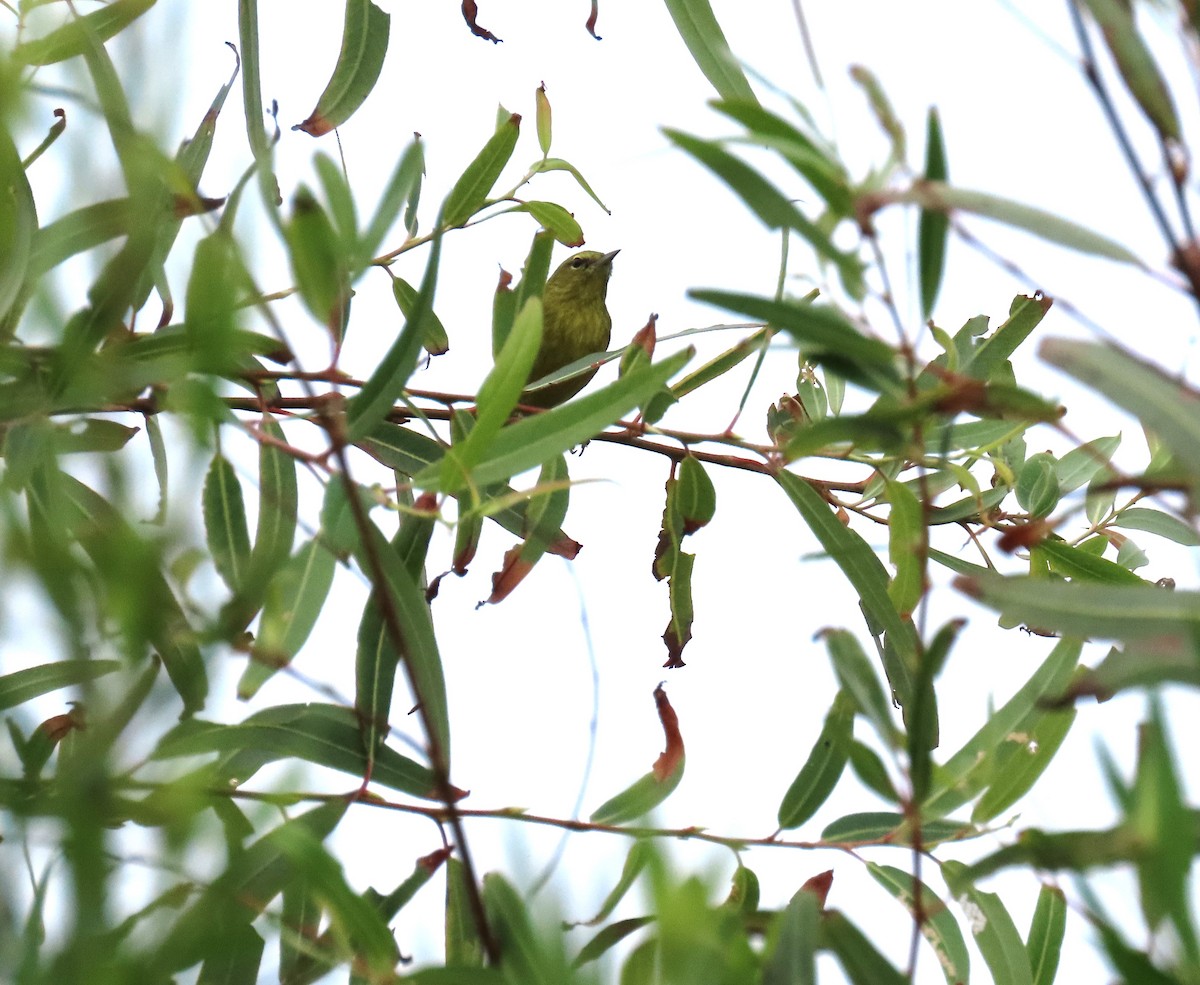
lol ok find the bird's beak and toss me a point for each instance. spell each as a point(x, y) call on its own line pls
point(607, 259)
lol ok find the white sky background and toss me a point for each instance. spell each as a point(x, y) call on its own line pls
point(1018, 121)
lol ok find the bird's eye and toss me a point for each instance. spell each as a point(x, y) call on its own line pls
point(578, 262)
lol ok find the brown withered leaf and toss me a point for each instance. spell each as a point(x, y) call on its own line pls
point(510, 575)
point(668, 762)
point(470, 12)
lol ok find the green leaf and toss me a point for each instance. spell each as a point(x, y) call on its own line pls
point(1164, 403)
point(1080, 565)
point(649, 791)
point(22, 685)
point(767, 202)
point(865, 573)
point(1137, 66)
point(75, 37)
point(640, 852)
point(470, 192)
point(906, 547)
point(818, 165)
point(993, 929)
point(1020, 761)
point(863, 964)
point(1156, 522)
point(933, 227)
point(988, 359)
point(790, 955)
point(969, 769)
point(1046, 930)
point(856, 675)
point(698, 27)
point(435, 341)
point(18, 226)
point(364, 45)
point(254, 877)
point(1164, 830)
point(322, 734)
point(497, 395)
point(823, 768)
point(294, 599)
point(411, 635)
point(560, 223)
point(353, 919)
point(121, 555)
point(883, 827)
point(938, 926)
point(1080, 465)
point(379, 394)
point(946, 198)
point(535, 439)
point(1155, 618)
point(402, 187)
point(225, 522)
point(825, 336)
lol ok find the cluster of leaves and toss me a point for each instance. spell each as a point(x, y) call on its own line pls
point(937, 442)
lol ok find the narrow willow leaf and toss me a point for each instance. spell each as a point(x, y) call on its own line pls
point(882, 827)
point(1080, 465)
point(1143, 613)
point(400, 189)
point(378, 395)
point(698, 27)
point(354, 920)
point(1046, 931)
point(1137, 66)
point(464, 949)
point(1047, 225)
point(322, 734)
point(74, 37)
point(817, 164)
point(933, 227)
point(766, 201)
point(255, 877)
point(1079, 565)
point(470, 192)
point(560, 223)
point(906, 548)
point(966, 772)
point(865, 573)
point(995, 933)
point(1155, 522)
point(536, 439)
point(825, 335)
point(18, 226)
point(108, 538)
point(823, 768)
point(1020, 761)
point(937, 924)
point(860, 960)
point(225, 522)
point(364, 45)
point(988, 359)
point(293, 602)
point(435, 341)
point(609, 937)
point(1163, 403)
point(656, 786)
point(791, 951)
point(22, 685)
point(858, 677)
point(498, 393)
point(640, 852)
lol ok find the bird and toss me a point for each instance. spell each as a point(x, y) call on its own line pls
point(575, 323)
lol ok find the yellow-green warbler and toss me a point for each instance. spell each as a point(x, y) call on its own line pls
point(575, 323)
